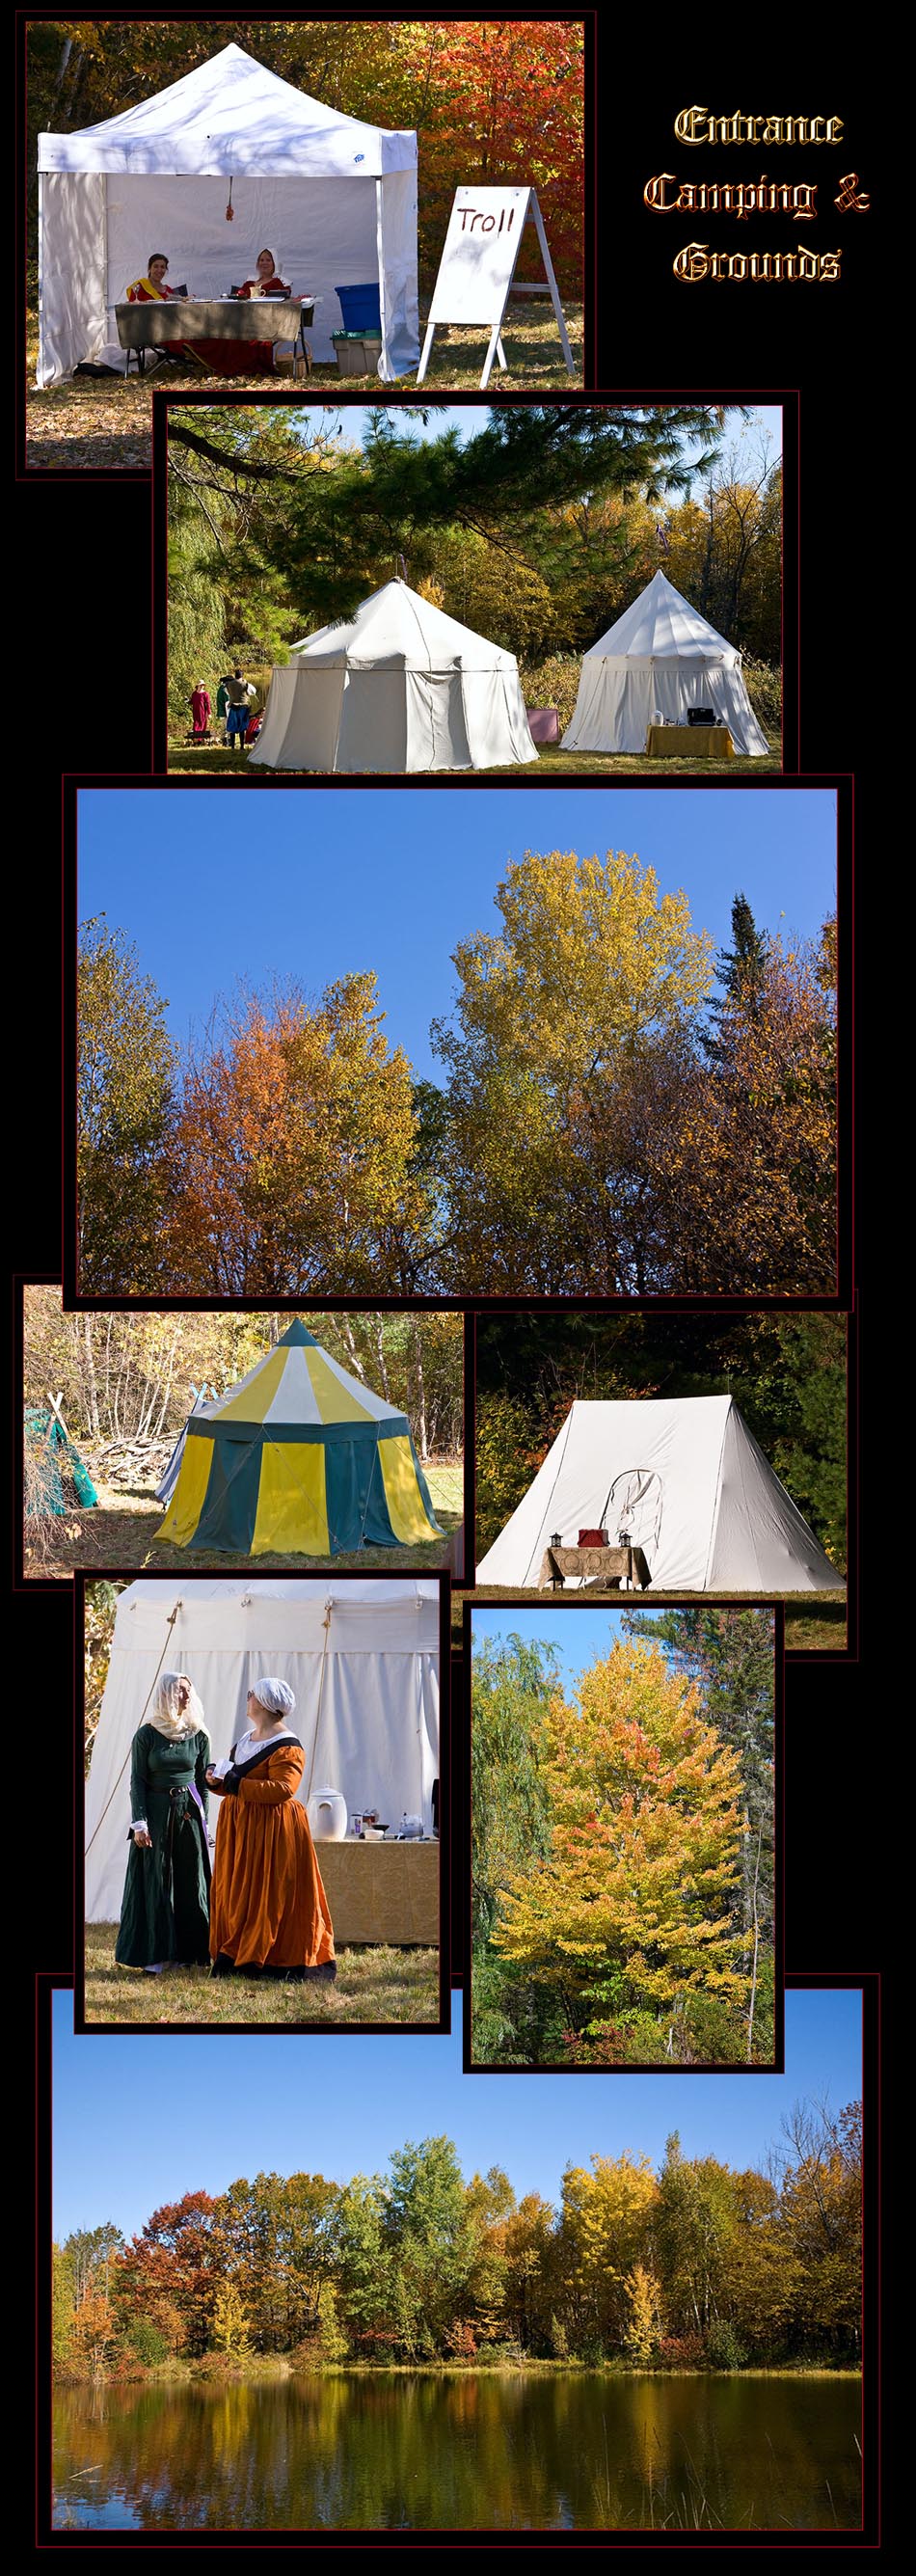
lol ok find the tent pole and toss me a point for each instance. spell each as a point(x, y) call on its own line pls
point(326, 1624)
point(173, 1614)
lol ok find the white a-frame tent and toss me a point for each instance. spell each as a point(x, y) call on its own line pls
point(685, 1479)
point(398, 686)
point(362, 1658)
point(335, 200)
point(660, 657)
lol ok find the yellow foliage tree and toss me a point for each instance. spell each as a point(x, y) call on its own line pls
point(592, 970)
point(605, 2227)
point(630, 1909)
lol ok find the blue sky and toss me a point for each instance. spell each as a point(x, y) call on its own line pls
point(469, 418)
point(311, 883)
point(141, 2120)
point(580, 1636)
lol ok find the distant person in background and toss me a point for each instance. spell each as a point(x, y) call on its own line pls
point(238, 692)
point(222, 704)
point(200, 711)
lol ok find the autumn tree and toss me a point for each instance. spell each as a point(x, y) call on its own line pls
point(694, 2230)
point(125, 1117)
point(642, 2328)
point(725, 553)
point(230, 2329)
point(591, 968)
point(293, 1149)
point(177, 2262)
point(751, 1179)
point(819, 2168)
point(729, 1655)
point(629, 1912)
point(605, 2222)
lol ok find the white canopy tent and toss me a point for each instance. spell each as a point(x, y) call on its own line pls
point(684, 1477)
point(661, 655)
point(362, 1658)
point(398, 686)
point(335, 200)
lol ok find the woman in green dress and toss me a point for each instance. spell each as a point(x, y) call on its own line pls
point(165, 1915)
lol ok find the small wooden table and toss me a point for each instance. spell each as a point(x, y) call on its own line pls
point(382, 1892)
point(605, 1567)
point(689, 742)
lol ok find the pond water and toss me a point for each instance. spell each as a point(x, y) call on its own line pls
point(471, 2452)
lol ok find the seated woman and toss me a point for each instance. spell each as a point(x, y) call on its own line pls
point(165, 1907)
point(248, 357)
point(269, 1914)
point(152, 288)
point(266, 282)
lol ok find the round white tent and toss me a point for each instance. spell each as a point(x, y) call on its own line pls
point(685, 1478)
point(335, 199)
point(362, 1658)
point(398, 686)
point(660, 655)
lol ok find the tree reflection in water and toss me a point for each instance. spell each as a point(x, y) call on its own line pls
point(472, 2451)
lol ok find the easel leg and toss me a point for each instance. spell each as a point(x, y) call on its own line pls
point(491, 353)
point(427, 345)
point(552, 283)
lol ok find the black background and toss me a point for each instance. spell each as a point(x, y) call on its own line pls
point(78, 696)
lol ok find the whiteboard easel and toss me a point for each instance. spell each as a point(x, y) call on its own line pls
point(477, 268)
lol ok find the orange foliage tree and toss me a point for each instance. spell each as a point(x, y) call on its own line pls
point(293, 1150)
point(502, 100)
point(630, 1908)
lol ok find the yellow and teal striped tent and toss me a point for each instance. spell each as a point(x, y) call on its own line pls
point(298, 1458)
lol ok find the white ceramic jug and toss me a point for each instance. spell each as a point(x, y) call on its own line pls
point(327, 1815)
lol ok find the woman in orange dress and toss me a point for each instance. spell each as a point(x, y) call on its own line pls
point(269, 1914)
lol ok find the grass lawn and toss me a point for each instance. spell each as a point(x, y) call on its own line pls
point(101, 425)
point(121, 1530)
point(382, 1985)
point(215, 760)
point(814, 1620)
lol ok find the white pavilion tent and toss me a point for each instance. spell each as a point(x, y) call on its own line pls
point(660, 656)
point(361, 1656)
point(684, 1477)
point(398, 686)
point(334, 199)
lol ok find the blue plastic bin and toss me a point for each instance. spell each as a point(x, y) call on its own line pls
point(361, 307)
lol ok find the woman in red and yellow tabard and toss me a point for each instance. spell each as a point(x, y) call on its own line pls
point(152, 288)
point(269, 1914)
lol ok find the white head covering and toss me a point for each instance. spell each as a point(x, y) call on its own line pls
point(165, 1714)
point(275, 1696)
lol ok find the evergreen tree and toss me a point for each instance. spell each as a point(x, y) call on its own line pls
point(741, 971)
